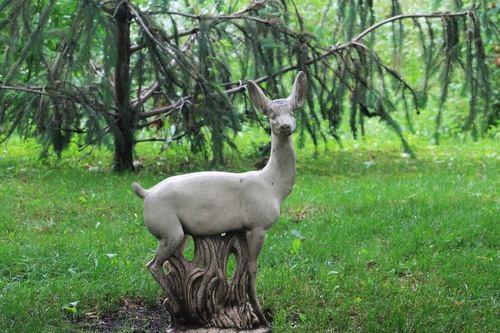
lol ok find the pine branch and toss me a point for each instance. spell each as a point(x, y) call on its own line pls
point(44, 17)
point(190, 68)
point(55, 93)
point(239, 86)
point(353, 42)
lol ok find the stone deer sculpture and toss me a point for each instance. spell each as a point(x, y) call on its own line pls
point(210, 203)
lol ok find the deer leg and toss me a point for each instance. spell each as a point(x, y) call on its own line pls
point(255, 241)
point(166, 247)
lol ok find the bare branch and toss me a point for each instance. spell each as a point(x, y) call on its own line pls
point(167, 109)
point(254, 5)
point(145, 96)
point(402, 17)
point(150, 140)
point(192, 31)
point(33, 90)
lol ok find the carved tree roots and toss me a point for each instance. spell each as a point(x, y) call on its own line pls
point(200, 298)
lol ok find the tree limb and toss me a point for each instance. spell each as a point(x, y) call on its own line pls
point(145, 96)
point(33, 90)
point(402, 17)
point(330, 51)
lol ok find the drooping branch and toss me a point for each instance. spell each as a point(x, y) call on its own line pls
point(335, 49)
point(190, 68)
point(72, 94)
point(240, 86)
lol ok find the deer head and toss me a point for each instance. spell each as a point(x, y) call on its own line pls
point(280, 111)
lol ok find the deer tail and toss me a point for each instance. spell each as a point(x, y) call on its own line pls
point(139, 191)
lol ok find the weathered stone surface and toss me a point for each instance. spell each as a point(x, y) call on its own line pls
point(198, 291)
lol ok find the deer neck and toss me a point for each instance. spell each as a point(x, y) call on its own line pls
point(280, 170)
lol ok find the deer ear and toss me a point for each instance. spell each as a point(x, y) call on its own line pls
point(257, 97)
point(299, 92)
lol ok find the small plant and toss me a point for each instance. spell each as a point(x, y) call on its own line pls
point(296, 242)
point(70, 308)
point(295, 246)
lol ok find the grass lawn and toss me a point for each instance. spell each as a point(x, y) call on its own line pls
point(369, 240)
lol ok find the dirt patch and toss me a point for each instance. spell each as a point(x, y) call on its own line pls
point(131, 316)
point(139, 317)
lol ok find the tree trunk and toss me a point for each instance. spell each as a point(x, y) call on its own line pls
point(123, 129)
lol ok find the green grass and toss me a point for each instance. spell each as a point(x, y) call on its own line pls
point(369, 240)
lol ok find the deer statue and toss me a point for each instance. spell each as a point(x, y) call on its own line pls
point(210, 203)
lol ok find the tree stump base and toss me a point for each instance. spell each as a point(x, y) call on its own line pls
point(199, 296)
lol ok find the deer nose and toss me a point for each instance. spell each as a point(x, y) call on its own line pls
point(285, 127)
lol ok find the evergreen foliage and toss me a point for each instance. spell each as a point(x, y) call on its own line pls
point(101, 73)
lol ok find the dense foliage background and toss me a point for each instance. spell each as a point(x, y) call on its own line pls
point(122, 72)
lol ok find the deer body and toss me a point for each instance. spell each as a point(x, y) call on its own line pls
point(210, 203)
